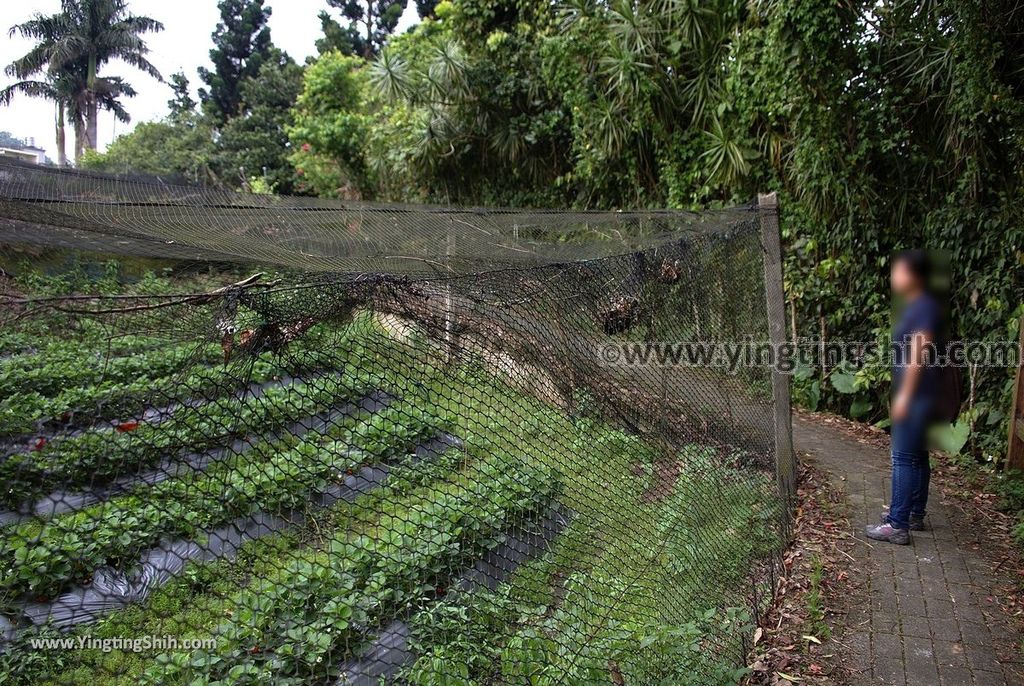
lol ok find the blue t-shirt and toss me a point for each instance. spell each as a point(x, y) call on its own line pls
point(923, 314)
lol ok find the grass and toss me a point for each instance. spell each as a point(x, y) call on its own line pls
point(819, 628)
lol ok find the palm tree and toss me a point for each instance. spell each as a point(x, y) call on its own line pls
point(105, 95)
point(56, 88)
point(68, 93)
point(48, 90)
point(78, 41)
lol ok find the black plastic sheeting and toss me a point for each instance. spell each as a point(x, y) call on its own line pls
point(46, 427)
point(112, 589)
point(380, 662)
point(62, 502)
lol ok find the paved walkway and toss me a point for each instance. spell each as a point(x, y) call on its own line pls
point(924, 620)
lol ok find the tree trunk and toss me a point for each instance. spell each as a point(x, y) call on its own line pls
point(368, 48)
point(92, 123)
point(79, 126)
point(92, 109)
point(62, 153)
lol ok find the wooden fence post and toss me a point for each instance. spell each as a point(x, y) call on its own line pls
point(785, 458)
point(1015, 444)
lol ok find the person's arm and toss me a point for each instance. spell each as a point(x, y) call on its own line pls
point(919, 343)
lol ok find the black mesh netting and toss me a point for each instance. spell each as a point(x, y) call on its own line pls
point(256, 440)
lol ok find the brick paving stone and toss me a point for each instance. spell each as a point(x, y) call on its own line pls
point(945, 629)
point(950, 654)
point(955, 573)
point(921, 672)
point(889, 672)
point(908, 582)
point(887, 646)
point(981, 657)
point(939, 607)
point(883, 623)
point(970, 613)
point(930, 568)
point(955, 676)
point(926, 619)
point(975, 634)
point(915, 626)
point(912, 606)
point(936, 588)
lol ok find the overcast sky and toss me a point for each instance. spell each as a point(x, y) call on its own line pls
point(184, 44)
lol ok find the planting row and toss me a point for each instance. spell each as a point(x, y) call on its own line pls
point(101, 454)
point(649, 595)
point(94, 337)
point(41, 559)
point(24, 412)
point(50, 373)
point(20, 348)
point(298, 624)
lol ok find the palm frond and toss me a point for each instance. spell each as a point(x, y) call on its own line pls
point(389, 76)
point(32, 89)
point(447, 71)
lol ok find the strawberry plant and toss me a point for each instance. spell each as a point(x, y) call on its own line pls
point(21, 413)
point(97, 455)
point(294, 627)
point(49, 374)
point(121, 528)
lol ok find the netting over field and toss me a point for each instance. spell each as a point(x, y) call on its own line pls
point(346, 443)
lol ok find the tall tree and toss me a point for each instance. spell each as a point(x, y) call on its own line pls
point(241, 46)
point(370, 22)
point(73, 45)
point(45, 30)
point(426, 8)
point(181, 104)
point(344, 39)
point(254, 145)
point(48, 90)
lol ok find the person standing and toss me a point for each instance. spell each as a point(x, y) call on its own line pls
point(917, 335)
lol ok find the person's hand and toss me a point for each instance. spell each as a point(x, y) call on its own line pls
point(900, 407)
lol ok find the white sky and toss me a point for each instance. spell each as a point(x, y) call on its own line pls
point(184, 44)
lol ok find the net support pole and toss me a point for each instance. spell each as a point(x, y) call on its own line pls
point(1015, 441)
point(775, 296)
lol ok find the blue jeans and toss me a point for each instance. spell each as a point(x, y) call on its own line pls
point(911, 470)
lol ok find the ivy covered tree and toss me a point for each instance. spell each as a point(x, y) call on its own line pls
point(241, 46)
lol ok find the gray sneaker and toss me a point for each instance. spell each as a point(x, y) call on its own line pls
point(887, 532)
point(916, 521)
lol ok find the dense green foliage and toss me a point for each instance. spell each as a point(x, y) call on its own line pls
point(179, 147)
point(368, 24)
point(882, 126)
point(237, 137)
point(255, 143)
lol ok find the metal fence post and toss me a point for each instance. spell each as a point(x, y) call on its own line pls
point(785, 458)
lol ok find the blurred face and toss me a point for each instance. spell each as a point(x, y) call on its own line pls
point(904, 281)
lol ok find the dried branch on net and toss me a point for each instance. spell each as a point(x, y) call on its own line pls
point(33, 306)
